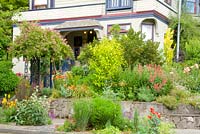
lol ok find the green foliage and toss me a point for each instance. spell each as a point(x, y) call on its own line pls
point(115, 31)
point(109, 130)
point(106, 61)
point(55, 93)
point(67, 127)
point(192, 49)
point(8, 80)
point(78, 70)
point(169, 101)
point(82, 112)
point(33, 111)
point(166, 128)
point(2, 116)
point(103, 111)
point(145, 95)
point(9, 114)
point(7, 10)
point(138, 51)
point(136, 121)
point(46, 91)
point(23, 90)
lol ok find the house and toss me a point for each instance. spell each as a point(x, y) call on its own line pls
point(80, 21)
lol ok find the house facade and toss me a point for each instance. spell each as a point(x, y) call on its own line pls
point(80, 21)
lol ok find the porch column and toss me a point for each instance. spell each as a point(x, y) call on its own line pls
point(99, 33)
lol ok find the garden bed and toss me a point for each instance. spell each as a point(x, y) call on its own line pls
point(184, 116)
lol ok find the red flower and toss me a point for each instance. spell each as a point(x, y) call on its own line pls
point(152, 110)
point(149, 116)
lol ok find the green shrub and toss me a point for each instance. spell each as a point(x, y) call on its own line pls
point(169, 101)
point(23, 90)
point(9, 114)
point(46, 91)
point(145, 95)
point(33, 111)
point(78, 70)
point(82, 112)
point(8, 80)
point(166, 128)
point(55, 93)
point(67, 127)
point(109, 130)
point(103, 111)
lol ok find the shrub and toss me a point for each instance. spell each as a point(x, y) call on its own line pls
point(67, 127)
point(166, 128)
point(103, 111)
point(106, 61)
point(82, 112)
point(145, 95)
point(136, 50)
point(8, 80)
point(33, 111)
point(78, 70)
point(23, 90)
point(169, 101)
point(109, 130)
point(46, 91)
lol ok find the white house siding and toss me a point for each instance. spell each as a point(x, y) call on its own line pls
point(66, 3)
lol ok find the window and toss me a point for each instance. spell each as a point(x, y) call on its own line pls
point(191, 6)
point(118, 4)
point(148, 31)
point(40, 4)
point(169, 2)
point(123, 28)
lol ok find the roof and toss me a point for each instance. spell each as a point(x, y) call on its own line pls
point(79, 24)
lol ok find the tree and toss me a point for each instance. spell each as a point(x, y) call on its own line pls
point(7, 10)
point(39, 45)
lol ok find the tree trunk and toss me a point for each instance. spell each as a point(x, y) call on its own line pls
point(35, 72)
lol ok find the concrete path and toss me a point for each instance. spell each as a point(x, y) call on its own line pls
point(50, 129)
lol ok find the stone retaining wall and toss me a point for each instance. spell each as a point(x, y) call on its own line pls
point(184, 117)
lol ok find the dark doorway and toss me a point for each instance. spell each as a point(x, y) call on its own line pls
point(77, 44)
point(91, 35)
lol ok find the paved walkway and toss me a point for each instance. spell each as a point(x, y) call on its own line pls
point(50, 129)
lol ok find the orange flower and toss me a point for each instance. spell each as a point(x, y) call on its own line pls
point(152, 110)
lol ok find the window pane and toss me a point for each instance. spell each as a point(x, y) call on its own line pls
point(190, 6)
point(40, 2)
point(147, 30)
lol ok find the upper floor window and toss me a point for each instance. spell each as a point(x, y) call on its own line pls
point(40, 4)
point(169, 2)
point(191, 6)
point(118, 4)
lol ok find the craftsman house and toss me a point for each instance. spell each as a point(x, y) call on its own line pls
point(80, 21)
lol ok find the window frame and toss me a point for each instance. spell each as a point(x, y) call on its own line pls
point(120, 6)
point(153, 29)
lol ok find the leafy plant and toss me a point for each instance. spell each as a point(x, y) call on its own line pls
point(103, 111)
point(8, 80)
point(23, 90)
point(109, 130)
point(46, 91)
point(166, 128)
point(169, 101)
point(82, 112)
point(145, 95)
point(33, 111)
point(67, 127)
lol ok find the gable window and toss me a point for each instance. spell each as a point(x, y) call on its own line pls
point(118, 4)
point(191, 6)
point(169, 2)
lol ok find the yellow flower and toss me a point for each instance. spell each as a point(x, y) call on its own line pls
point(4, 101)
point(8, 96)
point(5, 95)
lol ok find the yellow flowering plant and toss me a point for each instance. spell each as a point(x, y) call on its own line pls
point(7, 102)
